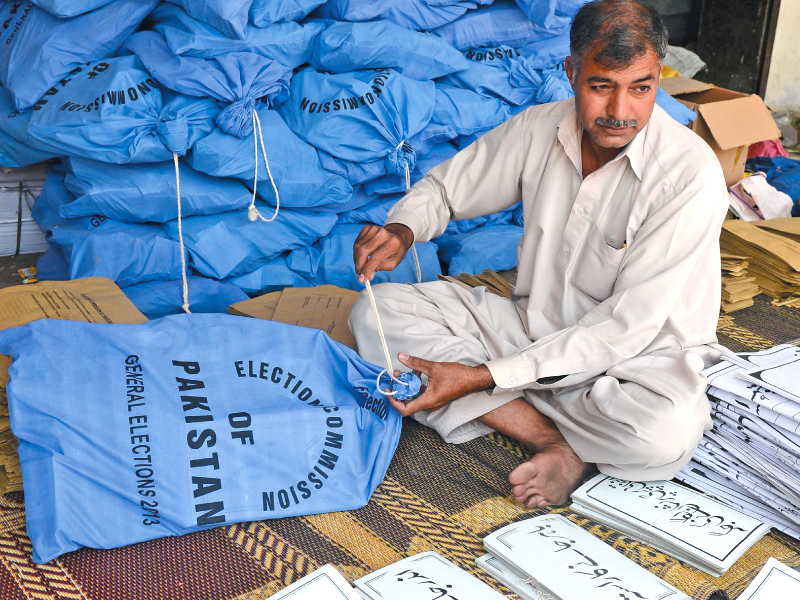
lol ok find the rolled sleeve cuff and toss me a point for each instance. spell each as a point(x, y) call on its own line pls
point(510, 373)
point(411, 220)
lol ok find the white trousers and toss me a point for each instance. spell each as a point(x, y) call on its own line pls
point(641, 420)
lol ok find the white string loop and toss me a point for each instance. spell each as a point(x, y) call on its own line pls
point(252, 211)
point(388, 370)
point(185, 305)
point(413, 245)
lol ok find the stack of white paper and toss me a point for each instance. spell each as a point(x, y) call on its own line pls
point(31, 237)
point(686, 524)
point(425, 576)
point(751, 457)
point(775, 581)
point(326, 583)
point(549, 556)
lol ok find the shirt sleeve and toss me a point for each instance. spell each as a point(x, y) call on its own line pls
point(483, 178)
point(663, 262)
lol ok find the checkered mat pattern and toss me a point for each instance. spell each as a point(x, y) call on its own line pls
point(435, 497)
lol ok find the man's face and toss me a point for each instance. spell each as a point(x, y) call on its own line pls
point(613, 106)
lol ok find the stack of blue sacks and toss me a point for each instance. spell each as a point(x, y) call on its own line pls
point(307, 116)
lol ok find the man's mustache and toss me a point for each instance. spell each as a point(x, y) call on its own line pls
point(615, 123)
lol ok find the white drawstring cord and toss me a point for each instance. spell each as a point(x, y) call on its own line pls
point(185, 305)
point(252, 211)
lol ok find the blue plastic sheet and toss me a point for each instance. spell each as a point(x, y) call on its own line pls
point(229, 17)
point(492, 246)
point(17, 148)
point(552, 14)
point(417, 15)
point(466, 111)
point(290, 44)
point(296, 168)
point(39, 51)
point(782, 173)
point(346, 47)
point(115, 112)
point(228, 244)
point(240, 80)
point(360, 116)
point(100, 247)
point(191, 433)
point(147, 193)
point(267, 12)
point(501, 24)
point(70, 8)
point(156, 299)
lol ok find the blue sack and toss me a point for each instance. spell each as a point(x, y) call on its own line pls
point(491, 246)
point(99, 247)
point(548, 53)
point(17, 148)
point(156, 299)
point(290, 44)
point(501, 24)
point(330, 261)
point(417, 15)
point(466, 111)
point(270, 277)
point(193, 432)
point(70, 8)
point(115, 112)
point(512, 77)
point(228, 244)
point(266, 12)
point(680, 112)
point(296, 168)
point(229, 17)
point(360, 116)
point(552, 14)
point(239, 79)
point(390, 184)
point(346, 47)
point(41, 51)
point(52, 266)
point(783, 173)
point(147, 193)
point(372, 212)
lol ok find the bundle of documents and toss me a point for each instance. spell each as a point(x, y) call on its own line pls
point(751, 457)
point(688, 525)
point(551, 557)
point(492, 281)
point(326, 583)
point(775, 580)
point(738, 287)
point(772, 248)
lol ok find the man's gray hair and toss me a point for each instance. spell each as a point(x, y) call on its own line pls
point(617, 32)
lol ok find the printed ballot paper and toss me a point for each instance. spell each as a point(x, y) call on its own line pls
point(326, 583)
point(775, 581)
point(567, 562)
point(425, 576)
point(686, 524)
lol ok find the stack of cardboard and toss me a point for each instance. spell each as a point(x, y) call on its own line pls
point(738, 287)
point(93, 300)
point(772, 248)
point(491, 280)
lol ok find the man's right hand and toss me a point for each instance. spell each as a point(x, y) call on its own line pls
point(380, 249)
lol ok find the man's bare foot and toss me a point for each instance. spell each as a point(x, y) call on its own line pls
point(554, 472)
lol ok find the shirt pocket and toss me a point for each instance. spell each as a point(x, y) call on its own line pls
point(597, 266)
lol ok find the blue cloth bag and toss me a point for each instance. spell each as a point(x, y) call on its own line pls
point(228, 244)
point(116, 112)
point(147, 193)
point(99, 247)
point(360, 116)
point(346, 47)
point(266, 12)
point(239, 80)
point(552, 14)
point(39, 51)
point(466, 111)
point(270, 277)
point(491, 246)
point(52, 266)
point(290, 44)
point(70, 8)
point(156, 299)
point(372, 212)
point(229, 17)
point(501, 24)
point(296, 168)
point(192, 433)
point(17, 148)
point(783, 174)
point(417, 15)
point(391, 184)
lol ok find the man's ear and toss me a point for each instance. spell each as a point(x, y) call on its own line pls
point(568, 67)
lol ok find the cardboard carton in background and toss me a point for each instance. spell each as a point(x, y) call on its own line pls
point(728, 121)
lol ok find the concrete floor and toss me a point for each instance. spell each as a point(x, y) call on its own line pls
point(9, 266)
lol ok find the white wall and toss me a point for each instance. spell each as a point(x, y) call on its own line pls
point(783, 82)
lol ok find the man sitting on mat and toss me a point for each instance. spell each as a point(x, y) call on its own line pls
point(597, 359)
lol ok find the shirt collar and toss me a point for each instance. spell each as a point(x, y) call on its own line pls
point(569, 135)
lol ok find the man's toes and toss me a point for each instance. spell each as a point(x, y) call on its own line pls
point(522, 474)
point(534, 501)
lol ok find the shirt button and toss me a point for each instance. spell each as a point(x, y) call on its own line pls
point(511, 381)
point(566, 249)
point(579, 210)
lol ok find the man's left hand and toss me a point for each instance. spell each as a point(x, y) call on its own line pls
point(447, 381)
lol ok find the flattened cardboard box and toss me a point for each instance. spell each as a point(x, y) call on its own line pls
point(728, 121)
